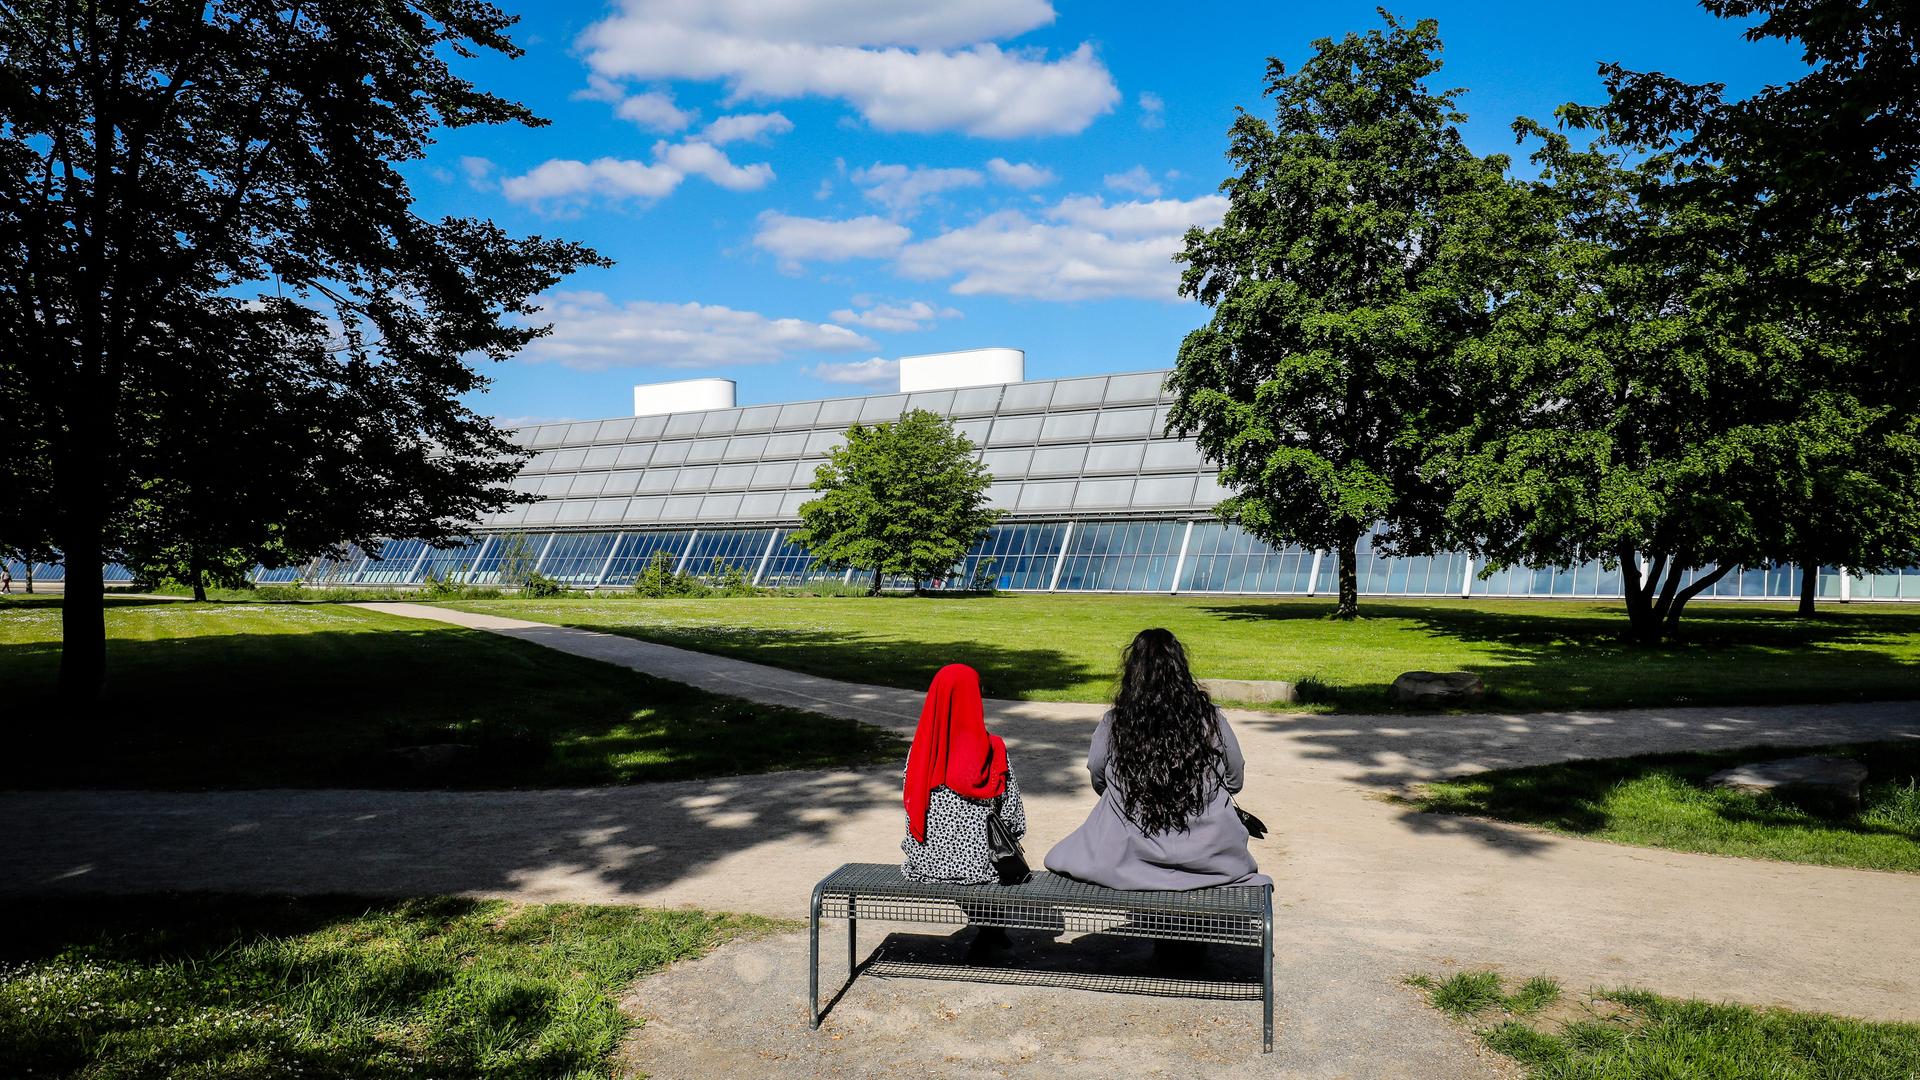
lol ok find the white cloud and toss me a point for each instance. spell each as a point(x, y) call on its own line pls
point(904, 65)
point(902, 189)
point(702, 159)
point(746, 127)
point(593, 333)
point(797, 239)
point(654, 111)
point(1023, 175)
point(911, 315)
point(1135, 181)
point(1153, 110)
point(1085, 250)
point(564, 181)
point(478, 171)
point(873, 372)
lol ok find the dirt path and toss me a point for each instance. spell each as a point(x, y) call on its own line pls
point(1366, 892)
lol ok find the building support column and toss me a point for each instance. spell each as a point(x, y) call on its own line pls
point(1466, 581)
point(544, 549)
point(486, 545)
point(601, 578)
point(680, 564)
point(1180, 564)
point(1060, 561)
point(413, 572)
point(760, 571)
point(1846, 584)
point(1313, 574)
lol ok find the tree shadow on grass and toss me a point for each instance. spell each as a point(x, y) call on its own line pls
point(1725, 655)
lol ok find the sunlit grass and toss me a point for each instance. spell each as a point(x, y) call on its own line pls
point(1533, 654)
point(1662, 800)
point(1632, 1034)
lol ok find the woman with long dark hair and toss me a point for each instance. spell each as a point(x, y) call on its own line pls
point(1165, 765)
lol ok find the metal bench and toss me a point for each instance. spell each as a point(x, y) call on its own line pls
point(1241, 915)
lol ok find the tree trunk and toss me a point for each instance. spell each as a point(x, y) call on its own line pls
point(1809, 588)
point(874, 589)
point(83, 620)
point(199, 577)
point(1349, 604)
point(29, 567)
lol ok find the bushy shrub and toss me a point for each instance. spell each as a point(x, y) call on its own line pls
point(986, 577)
point(733, 581)
point(538, 586)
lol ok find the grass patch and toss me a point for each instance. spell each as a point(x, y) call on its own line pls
point(242, 988)
point(318, 695)
point(1661, 800)
point(1533, 654)
point(1631, 1034)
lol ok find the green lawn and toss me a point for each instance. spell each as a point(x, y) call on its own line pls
point(1661, 800)
point(207, 988)
point(316, 695)
point(1533, 654)
point(1635, 1035)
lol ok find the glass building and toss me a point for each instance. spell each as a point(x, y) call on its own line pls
point(1098, 499)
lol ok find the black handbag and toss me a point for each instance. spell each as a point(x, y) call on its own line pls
point(1003, 849)
point(1254, 826)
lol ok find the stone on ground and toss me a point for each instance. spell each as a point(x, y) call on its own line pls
point(1250, 691)
point(1437, 689)
point(1816, 777)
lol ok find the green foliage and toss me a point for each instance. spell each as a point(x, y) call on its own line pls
point(538, 586)
point(255, 327)
point(659, 580)
point(1663, 800)
point(986, 577)
point(1629, 1034)
point(448, 586)
point(733, 580)
point(904, 498)
point(1360, 248)
point(242, 988)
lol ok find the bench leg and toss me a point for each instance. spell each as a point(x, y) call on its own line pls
point(1266, 977)
point(813, 961)
point(853, 932)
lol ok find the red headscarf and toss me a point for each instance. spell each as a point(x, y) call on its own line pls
point(952, 747)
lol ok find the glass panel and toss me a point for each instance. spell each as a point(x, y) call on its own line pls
point(706, 450)
point(716, 549)
point(937, 401)
point(613, 431)
point(729, 477)
point(1025, 397)
point(695, 479)
point(1115, 457)
point(777, 474)
point(1059, 461)
point(567, 460)
point(621, 483)
point(1163, 491)
point(1166, 455)
point(636, 549)
point(682, 508)
point(792, 444)
point(976, 399)
point(1050, 496)
point(687, 423)
point(519, 552)
point(746, 448)
point(1124, 424)
point(763, 504)
point(1143, 387)
point(720, 422)
point(720, 508)
point(799, 415)
point(1015, 431)
point(1068, 426)
point(759, 418)
point(581, 433)
point(882, 409)
point(634, 454)
point(820, 442)
point(839, 412)
point(648, 427)
point(557, 484)
point(547, 435)
point(1103, 493)
point(586, 483)
point(1070, 392)
point(670, 453)
point(395, 564)
point(657, 480)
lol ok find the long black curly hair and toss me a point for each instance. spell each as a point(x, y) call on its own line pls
point(1165, 747)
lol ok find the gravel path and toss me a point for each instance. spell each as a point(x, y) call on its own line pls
point(1367, 890)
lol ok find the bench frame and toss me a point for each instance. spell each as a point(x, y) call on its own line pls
point(1238, 915)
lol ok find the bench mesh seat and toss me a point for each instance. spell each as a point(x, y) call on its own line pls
point(1235, 915)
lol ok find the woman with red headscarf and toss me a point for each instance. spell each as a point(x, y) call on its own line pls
point(957, 774)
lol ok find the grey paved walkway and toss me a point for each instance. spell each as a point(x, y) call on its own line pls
point(1367, 891)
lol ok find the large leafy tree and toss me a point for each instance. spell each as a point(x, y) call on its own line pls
point(1623, 413)
point(904, 498)
point(1825, 167)
point(1359, 251)
point(170, 173)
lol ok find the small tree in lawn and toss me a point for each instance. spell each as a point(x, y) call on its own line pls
point(1357, 253)
point(904, 498)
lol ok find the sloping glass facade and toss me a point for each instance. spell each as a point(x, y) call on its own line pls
point(1098, 499)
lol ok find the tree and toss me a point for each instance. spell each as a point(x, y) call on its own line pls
point(1627, 411)
point(1829, 164)
point(172, 173)
point(905, 498)
point(1358, 251)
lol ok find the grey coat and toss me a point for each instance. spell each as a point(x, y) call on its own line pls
point(1109, 849)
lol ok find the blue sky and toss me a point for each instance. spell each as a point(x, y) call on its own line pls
point(796, 192)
